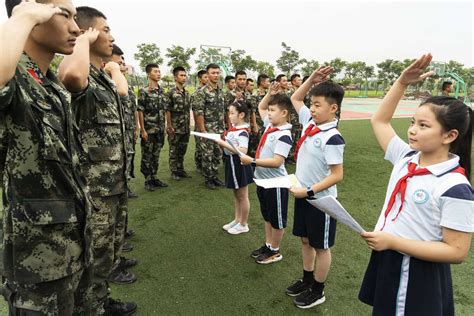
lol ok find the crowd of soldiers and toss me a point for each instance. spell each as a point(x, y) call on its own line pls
point(67, 148)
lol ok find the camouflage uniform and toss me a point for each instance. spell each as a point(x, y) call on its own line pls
point(129, 104)
point(99, 116)
point(255, 139)
point(46, 233)
point(197, 141)
point(152, 103)
point(179, 106)
point(209, 103)
point(296, 126)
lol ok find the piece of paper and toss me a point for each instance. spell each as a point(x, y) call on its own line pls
point(238, 152)
point(210, 136)
point(289, 181)
point(333, 208)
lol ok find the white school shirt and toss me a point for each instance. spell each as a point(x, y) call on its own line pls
point(318, 152)
point(278, 142)
point(238, 138)
point(432, 201)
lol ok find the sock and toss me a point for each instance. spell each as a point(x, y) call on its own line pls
point(273, 249)
point(269, 245)
point(318, 287)
point(308, 277)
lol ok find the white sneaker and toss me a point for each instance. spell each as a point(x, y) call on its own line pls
point(229, 225)
point(238, 229)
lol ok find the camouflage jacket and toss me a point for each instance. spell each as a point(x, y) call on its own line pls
point(179, 106)
point(209, 103)
point(129, 103)
point(100, 119)
point(255, 101)
point(3, 146)
point(294, 119)
point(153, 103)
point(230, 97)
point(46, 203)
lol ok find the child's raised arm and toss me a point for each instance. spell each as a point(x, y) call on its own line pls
point(319, 75)
point(414, 73)
point(263, 105)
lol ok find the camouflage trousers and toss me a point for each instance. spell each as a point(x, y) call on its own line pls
point(151, 155)
point(130, 134)
point(211, 157)
point(178, 147)
point(254, 140)
point(295, 131)
point(198, 153)
point(108, 233)
point(70, 295)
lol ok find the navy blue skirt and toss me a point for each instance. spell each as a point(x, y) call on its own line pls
point(236, 175)
point(396, 284)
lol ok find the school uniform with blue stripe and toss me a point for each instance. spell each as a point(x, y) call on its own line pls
point(315, 156)
point(395, 283)
point(236, 175)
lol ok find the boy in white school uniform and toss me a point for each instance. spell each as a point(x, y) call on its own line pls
point(319, 166)
point(269, 162)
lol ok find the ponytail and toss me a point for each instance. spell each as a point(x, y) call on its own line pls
point(454, 114)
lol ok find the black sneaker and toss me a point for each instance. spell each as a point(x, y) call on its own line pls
point(218, 182)
point(118, 308)
point(309, 299)
point(129, 233)
point(183, 174)
point(149, 186)
point(126, 247)
point(297, 288)
point(210, 185)
point(158, 184)
point(258, 251)
point(126, 263)
point(269, 256)
point(121, 277)
point(175, 176)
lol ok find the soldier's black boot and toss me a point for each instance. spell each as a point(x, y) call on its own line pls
point(127, 247)
point(218, 182)
point(158, 184)
point(118, 308)
point(175, 176)
point(210, 185)
point(121, 276)
point(149, 186)
point(183, 174)
point(129, 233)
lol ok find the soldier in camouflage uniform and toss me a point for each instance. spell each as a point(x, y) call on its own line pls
point(46, 206)
point(238, 94)
point(210, 111)
point(203, 79)
point(178, 121)
point(263, 83)
point(100, 120)
point(152, 102)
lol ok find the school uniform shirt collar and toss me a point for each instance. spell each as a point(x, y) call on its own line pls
point(241, 126)
point(285, 127)
point(326, 126)
point(441, 168)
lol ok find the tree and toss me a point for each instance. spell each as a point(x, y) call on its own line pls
point(179, 56)
point(208, 56)
point(389, 70)
point(241, 62)
point(148, 54)
point(264, 67)
point(454, 66)
point(338, 64)
point(289, 59)
point(308, 66)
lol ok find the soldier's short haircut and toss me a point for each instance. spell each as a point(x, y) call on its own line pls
point(294, 76)
point(228, 78)
point(282, 101)
point(212, 66)
point(249, 80)
point(261, 78)
point(86, 15)
point(240, 73)
point(241, 107)
point(445, 85)
point(278, 78)
point(149, 67)
point(117, 51)
point(305, 78)
point(176, 70)
point(201, 73)
point(10, 4)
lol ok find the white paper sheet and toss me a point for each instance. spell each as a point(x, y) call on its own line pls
point(289, 181)
point(333, 208)
point(235, 148)
point(210, 136)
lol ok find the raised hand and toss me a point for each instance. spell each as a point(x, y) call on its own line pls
point(91, 34)
point(38, 12)
point(416, 71)
point(321, 74)
point(111, 66)
point(274, 88)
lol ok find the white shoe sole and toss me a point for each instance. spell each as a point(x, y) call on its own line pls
point(226, 227)
point(320, 301)
point(237, 232)
point(272, 260)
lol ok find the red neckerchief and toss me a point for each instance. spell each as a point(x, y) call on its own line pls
point(235, 129)
point(264, 139)
point(311, 130)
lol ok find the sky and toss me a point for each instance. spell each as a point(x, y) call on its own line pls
point(321, 30)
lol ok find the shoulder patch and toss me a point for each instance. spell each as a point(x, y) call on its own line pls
point(244, 133)
point(462, 191)
point(411, 153)
point(336, 140)
point(286, 139)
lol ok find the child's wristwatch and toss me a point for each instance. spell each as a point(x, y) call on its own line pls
point(310, 192)
point(254, 162)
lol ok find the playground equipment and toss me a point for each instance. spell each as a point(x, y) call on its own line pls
point(221, 57)
point(440, 69)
